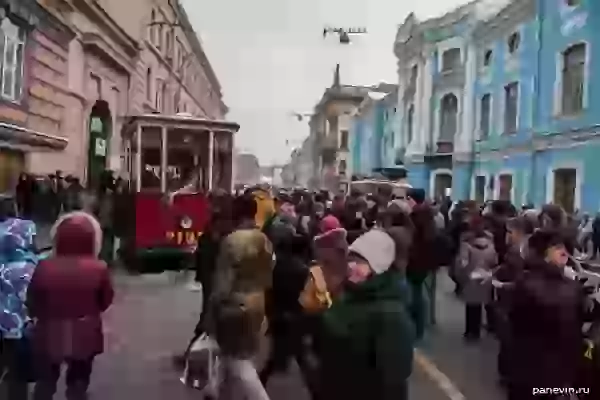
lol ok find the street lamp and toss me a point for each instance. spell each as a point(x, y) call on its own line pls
point(344, 33)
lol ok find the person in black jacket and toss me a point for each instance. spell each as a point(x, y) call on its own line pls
point(546, 317)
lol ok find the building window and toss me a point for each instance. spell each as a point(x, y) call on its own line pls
point(451, 60)
point(565, 184)
point(342, 168)
point(159, 94)
point(149, 84)
point(487, 58)
point(12, 41)
point(573, 79)
point(514, 41)
point(410, 120)
point(169, 45)
point(448, 117)
point(153, 28)
point(480, 189)
point(485, 115)
point(344, 139)
point(505, 185)
point(511, 102)
point(442, 184)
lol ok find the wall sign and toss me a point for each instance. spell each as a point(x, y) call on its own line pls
point(100, 148)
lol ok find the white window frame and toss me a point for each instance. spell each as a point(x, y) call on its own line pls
point(486, 193)
point(438, 114)
point(13, 93)
point(558, 81)
point(511, 172)
point(480, 115)
point(578, 166)
point(451, 43)
point(503, 108)
point(434, 174)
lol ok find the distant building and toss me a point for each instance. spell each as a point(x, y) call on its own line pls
point(247, 169)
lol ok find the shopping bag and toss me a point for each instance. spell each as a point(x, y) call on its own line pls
point(202, 367)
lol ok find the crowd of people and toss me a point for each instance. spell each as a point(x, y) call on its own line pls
point(375, 252)
point(337, 285)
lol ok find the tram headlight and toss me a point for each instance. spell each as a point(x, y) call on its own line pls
point(186, 222)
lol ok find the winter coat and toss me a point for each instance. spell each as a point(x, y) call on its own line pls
point(17, 264)
point(367, 340)
point(290, 271)
point(477, 256)
point(546, 320)
point(331, 251)
point(70, 290)
point(243, 276)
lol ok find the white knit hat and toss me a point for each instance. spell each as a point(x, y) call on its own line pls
point(377, 248)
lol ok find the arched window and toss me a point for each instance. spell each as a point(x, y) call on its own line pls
point(448, 117)
point(573, 79)
point(514, 41)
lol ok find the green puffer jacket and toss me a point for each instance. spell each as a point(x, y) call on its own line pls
point(367, 341)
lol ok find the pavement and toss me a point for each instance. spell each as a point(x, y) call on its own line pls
point(154, 315)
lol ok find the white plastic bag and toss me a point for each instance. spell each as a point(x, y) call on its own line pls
point(202, 366)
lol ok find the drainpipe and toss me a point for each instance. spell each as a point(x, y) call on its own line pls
point(540, 5)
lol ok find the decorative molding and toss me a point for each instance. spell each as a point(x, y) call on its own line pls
point(503, 23)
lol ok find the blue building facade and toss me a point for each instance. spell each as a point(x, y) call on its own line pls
point(514, 112)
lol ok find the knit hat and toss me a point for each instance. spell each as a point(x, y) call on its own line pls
point(377, 248)
point(329, 223)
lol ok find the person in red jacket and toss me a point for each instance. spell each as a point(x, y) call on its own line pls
point(66, 331)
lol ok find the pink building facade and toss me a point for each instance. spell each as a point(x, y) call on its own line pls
point(102, 62)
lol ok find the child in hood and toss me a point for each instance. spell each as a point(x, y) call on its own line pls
point(67, 331)
point(367, 334)
point(17, 264)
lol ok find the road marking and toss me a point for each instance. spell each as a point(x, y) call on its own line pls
point(440, 379)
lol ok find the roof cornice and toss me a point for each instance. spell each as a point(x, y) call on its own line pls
point(192, 37)
point(515, 13)
point(95, 10)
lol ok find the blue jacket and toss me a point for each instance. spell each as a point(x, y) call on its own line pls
point(17, 263)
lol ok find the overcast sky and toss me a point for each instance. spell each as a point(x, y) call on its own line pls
point(271, 58)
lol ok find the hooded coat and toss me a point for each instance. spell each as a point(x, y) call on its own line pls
point(68, 329)
point(17, 263)
point(331, 252)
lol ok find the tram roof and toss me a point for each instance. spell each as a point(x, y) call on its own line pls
point(183, 121)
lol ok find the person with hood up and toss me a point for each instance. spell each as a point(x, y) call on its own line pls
point(66, 331)
point(476, 261)
point(331, 252)
point(546, 318)
point(17, 264)
point(367, 338)
point(237, 307)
